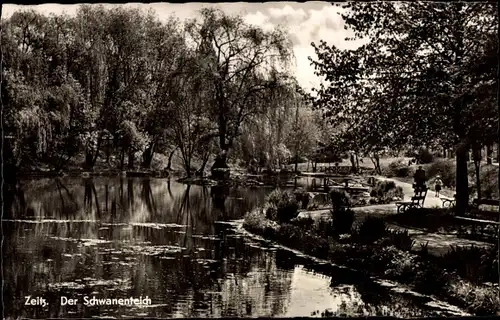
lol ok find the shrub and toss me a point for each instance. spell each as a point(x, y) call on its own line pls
point(401, 265)
point(398, 168)
point(399, 239)
point(255, 221)
point(489, 182)
point(371, 230)
point(430, 278)
point(424, 249)
point(342, 220)
point(476, 264)
point(424, 156)
point(340, 199)
point(324, 228)
point(302, 198)
point(305, 223)
point(444, 167)
point(314, 245)
point(286, 204)
point(271, 211)
point(385, 191)
point(481, 301)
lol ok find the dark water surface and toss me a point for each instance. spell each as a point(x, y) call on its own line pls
point(120, 238)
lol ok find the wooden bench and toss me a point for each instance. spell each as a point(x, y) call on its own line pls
point(471, 216)
point(448, 202)
point(417, 201)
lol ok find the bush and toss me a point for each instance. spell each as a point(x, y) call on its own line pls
point(385, 191)
point(286, 205)
point(481, 301)
point(304, 224)
point(401, 265)
point(271, 211)
point(302, 198)
point(399, 169)
point(430, 278)
point(324, 228)
point(489, 182)
point(342, 220)
point(399, 239)
point(475, 264)
point(424, 156)
point(371, 230)
point(340, 199)
point(444, 167)
point(255, 221)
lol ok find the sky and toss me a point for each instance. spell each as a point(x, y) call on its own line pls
point(306, 23)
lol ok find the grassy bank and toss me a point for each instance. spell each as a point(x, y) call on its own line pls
point(459, 277)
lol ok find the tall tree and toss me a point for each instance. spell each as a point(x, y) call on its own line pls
point(241, 62)
point(414, 75)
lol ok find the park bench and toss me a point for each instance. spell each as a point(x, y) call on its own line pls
point(417, 201)
point(448, 202)
point(479, 223)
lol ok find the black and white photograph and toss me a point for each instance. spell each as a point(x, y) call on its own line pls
point(250, 160)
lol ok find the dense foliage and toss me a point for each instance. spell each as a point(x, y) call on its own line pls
point(426, 75)
point(117, 85)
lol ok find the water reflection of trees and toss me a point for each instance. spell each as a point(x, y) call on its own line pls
point(106, 209)
point(362, 296)
point(127, 199)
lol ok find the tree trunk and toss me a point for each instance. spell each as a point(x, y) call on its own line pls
point(131, 158)
point(170, 156)
point(201, 171)
point(89, 164)
point(296, 163)
point(476, 153)
point(462, 180)
point(353, 163)
point(122, 159)
point(296, 137)
point(187, 167)
point(147, 156)
point(376, 163)
point(489, 154)
point(108, 153)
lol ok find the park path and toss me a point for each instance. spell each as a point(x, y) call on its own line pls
point(430, 199)
point(437, 243)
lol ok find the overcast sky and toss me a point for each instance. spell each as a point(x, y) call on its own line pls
point(306, 23)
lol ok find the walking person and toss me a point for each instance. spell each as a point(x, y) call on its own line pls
point(438, 184)
point(419, 179)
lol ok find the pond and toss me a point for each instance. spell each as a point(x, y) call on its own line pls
point(178, 245)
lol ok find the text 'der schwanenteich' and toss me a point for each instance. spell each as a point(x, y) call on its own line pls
point(99, 301)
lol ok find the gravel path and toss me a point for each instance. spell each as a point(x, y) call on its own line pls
point(438, 243)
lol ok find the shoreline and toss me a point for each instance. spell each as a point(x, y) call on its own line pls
point(449, 286)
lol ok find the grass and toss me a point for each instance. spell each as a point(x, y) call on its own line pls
point(387, 254)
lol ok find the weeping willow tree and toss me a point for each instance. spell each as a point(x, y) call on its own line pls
point(239, 60)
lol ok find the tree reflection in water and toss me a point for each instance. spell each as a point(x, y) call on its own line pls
point(157, 238)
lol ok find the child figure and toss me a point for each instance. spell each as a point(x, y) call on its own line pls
point(437, 184)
